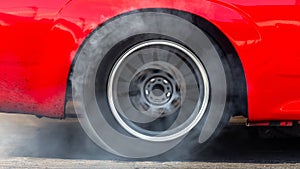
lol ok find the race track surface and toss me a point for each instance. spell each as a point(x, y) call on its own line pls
point(29, 142)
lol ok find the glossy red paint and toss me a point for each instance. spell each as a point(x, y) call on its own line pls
point(39, 40)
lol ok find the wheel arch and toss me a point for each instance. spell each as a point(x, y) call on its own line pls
point(225, 43)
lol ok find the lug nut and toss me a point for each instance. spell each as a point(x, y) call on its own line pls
point(147, 92)
point(152, 80)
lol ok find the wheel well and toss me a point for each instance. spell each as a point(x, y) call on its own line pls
point(231, 61)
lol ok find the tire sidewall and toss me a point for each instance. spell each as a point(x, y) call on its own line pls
point(93, 53)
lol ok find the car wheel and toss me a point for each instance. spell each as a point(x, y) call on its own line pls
point(144, 81)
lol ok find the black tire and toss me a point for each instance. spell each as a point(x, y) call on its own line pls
point(111, 54)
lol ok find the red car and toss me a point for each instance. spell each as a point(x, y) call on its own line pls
point(145, 75)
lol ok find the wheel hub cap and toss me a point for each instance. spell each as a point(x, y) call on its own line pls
point(158, 90)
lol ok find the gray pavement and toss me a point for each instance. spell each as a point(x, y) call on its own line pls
point(33, 163)
point(29, 142)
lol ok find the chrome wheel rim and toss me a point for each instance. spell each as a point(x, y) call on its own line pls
point(154, 81)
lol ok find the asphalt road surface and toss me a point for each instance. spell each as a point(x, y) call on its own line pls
point(29, 142)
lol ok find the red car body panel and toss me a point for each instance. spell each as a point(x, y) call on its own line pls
point(39, 40)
